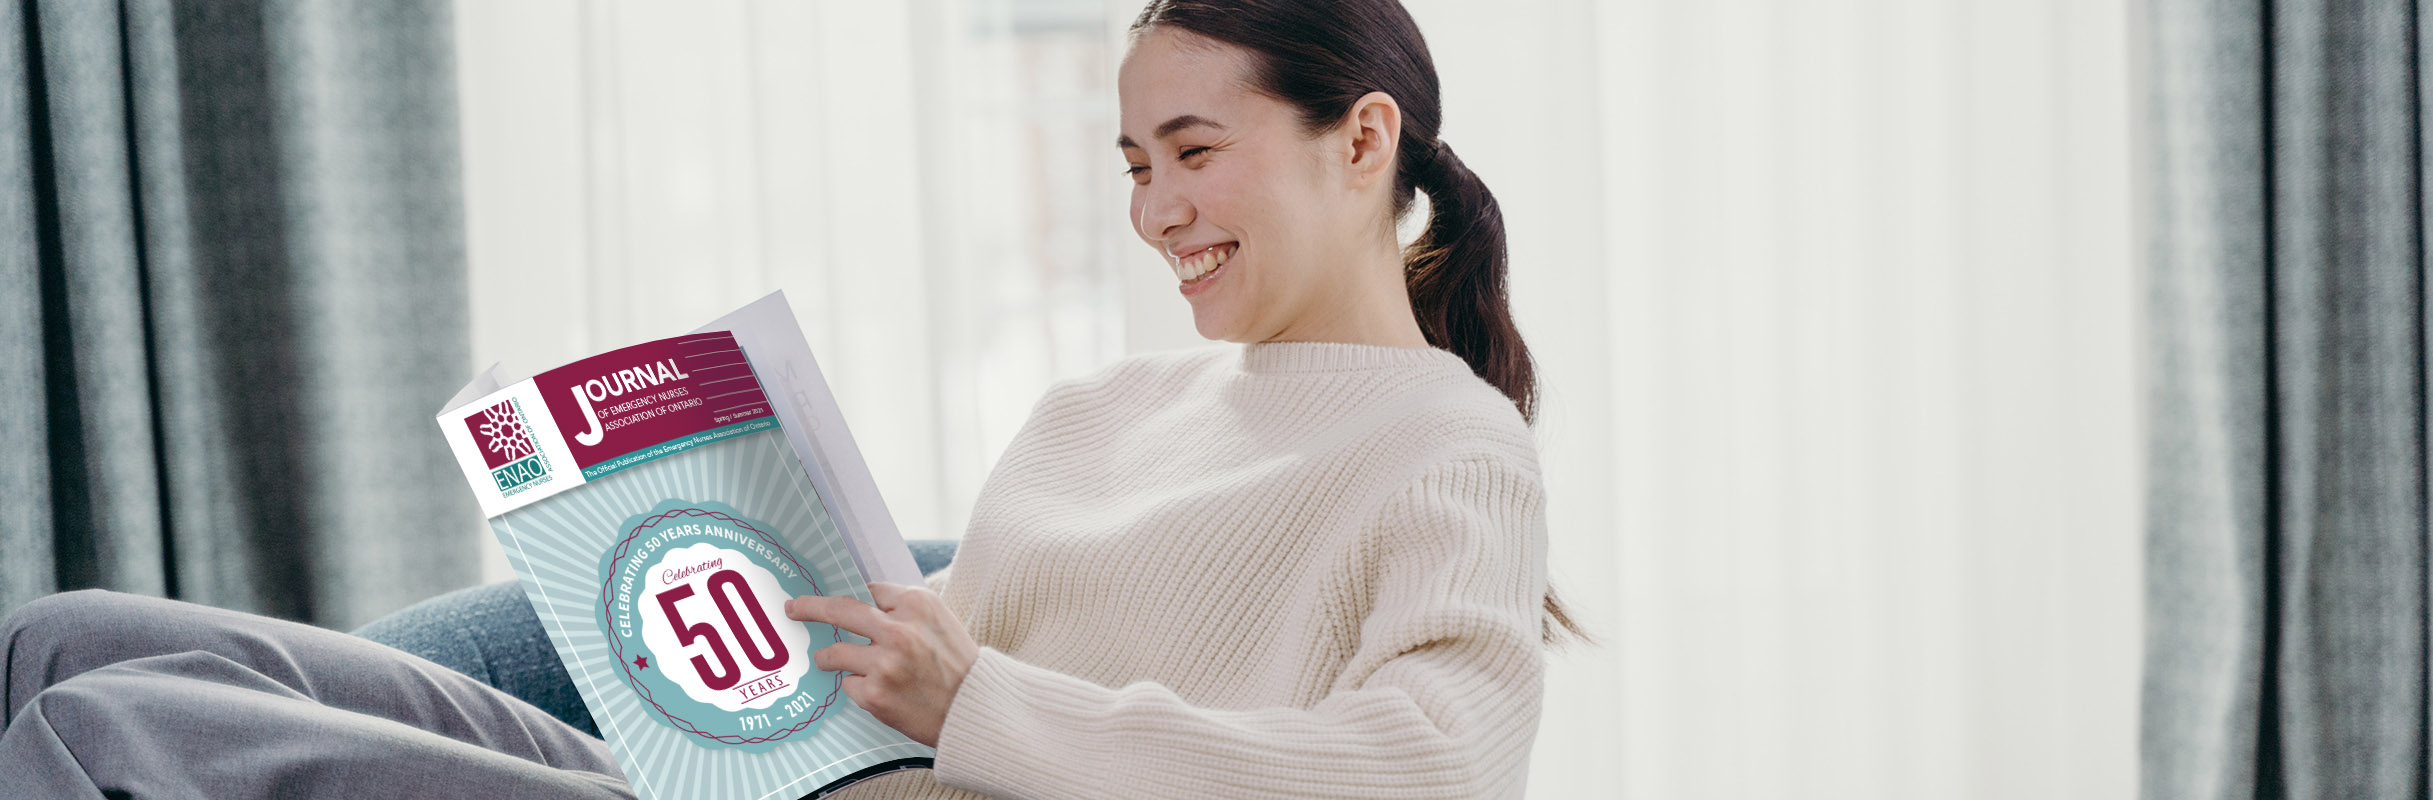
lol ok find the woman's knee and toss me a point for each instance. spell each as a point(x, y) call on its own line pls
point(74, 601)
point(70, 632)
point(79, 612)
point(52, 638)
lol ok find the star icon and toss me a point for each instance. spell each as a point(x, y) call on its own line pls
point(642, 662)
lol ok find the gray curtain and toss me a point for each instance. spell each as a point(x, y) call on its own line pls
point(231, 297)
point(2283, 154)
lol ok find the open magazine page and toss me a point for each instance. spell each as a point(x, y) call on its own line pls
point(658, 518)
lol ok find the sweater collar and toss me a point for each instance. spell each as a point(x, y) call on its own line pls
point(1281, 357)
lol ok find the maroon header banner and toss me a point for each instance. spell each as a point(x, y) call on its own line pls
point(628, 400)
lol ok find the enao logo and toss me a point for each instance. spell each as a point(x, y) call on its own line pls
point(515, 460)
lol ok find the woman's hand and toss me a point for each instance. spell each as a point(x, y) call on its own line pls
point(916, 659)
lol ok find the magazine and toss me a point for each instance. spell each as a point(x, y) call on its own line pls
point(660, 503)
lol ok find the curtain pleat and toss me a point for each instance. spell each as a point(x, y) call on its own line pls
point(2287, 593)
point(243, 220)
point(25, 469)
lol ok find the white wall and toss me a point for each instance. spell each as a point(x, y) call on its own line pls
point(1831, 299)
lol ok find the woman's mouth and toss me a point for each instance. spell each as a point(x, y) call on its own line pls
point(1201, 266)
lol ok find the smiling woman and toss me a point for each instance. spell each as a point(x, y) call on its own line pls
point(1318, 165)
point(1364, 458)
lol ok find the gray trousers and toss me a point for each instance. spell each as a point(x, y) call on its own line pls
point(122, 696)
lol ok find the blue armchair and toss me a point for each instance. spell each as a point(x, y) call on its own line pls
point(490, 633)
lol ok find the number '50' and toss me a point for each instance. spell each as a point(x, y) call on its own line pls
point(728, 588)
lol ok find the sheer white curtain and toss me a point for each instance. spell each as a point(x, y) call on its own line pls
point(1831, 298)
point(929, 182)
point(1846, 448)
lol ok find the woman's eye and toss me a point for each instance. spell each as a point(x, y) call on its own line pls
point(1139, 172)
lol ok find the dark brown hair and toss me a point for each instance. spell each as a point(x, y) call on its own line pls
point(1321, 56)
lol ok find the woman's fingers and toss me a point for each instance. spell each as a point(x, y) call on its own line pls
point(896, 597)
point(914, 664)
point(886, 593)
point(859, 659)
point(843, 612)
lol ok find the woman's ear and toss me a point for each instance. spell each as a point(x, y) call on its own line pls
point(1374, 126)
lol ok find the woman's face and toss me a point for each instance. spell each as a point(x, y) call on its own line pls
point(1249, 214)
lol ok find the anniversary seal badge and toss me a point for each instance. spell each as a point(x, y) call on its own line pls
point(693, 583)
point(660, 503)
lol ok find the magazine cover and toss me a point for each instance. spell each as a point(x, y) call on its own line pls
point(659, 504)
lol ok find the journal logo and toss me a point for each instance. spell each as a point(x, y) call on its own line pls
point(515, 460)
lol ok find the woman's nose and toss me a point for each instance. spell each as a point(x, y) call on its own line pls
point(1161, 214)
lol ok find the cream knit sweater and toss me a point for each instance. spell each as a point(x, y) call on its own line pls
point(1274, 570)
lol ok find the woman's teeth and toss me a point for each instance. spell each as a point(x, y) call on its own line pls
point(1202, 262)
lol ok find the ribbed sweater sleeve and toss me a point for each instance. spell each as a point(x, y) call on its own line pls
point(1439, 696)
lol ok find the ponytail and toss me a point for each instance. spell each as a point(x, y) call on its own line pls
point(1455, 273)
